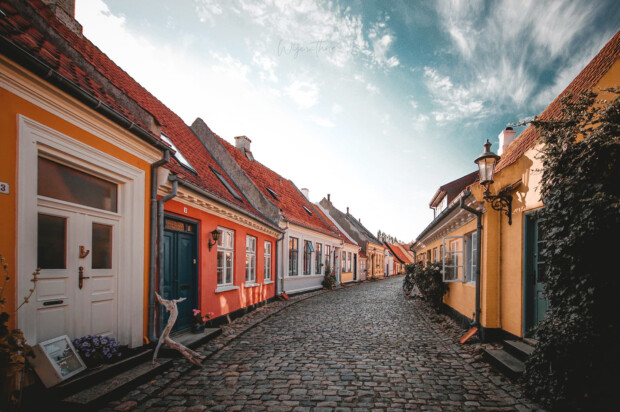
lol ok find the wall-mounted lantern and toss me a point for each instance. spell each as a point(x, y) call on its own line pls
point(215, 235)
point(486, 162)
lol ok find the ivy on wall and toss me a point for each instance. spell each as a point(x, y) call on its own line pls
point(576, 362)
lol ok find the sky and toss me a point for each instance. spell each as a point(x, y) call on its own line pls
point(376, 102)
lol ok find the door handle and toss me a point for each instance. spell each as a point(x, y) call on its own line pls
point(81, 277)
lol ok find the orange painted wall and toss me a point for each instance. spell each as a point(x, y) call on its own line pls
point(229, 301)
point(10, 107)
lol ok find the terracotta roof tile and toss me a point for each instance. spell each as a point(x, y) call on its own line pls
point(340, 233)
point(291, 200)
point(587, 79)
point(398, 254)
point(23, 34)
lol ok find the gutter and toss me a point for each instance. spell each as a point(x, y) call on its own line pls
point(160, 238)
point(478, 214)
point(153, 245)
point(47, 73)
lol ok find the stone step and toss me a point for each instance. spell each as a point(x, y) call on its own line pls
point(519, 349)
point(189, 340)
point(504, 362)
point(114, 386)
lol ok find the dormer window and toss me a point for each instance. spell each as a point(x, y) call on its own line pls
point(307, 210)
point(273, 193)
point(178, 155)
point(226, 184)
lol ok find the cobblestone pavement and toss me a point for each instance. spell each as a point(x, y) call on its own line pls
point(362, 347)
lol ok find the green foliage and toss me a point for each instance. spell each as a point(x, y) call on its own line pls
point(429, 281)
point(576, 360)
point(329, 280)
point(408, 280)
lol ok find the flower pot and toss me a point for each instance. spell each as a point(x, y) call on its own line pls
point(198, 328)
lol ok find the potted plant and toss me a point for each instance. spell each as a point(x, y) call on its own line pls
point(95, 350)
point(199, 321)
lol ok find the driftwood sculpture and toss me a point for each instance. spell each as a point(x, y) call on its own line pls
point(171, 306)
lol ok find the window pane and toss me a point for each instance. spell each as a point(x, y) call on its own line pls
point(228, 267)
point(64, 183)
point(51, 242)
point(220, 267)
point(102, 246)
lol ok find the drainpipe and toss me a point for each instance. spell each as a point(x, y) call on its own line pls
point(160, 238)
point(153, 244)
point(478, 214)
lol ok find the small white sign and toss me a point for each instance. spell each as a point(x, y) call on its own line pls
point(4, 188)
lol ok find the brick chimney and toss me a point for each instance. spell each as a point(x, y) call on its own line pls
point(306, 193)
point(64, 10)
point(328, 197)
point(505, 138)
point(347, 210)
point(243, 143)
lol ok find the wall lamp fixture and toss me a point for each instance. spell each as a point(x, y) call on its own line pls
point(215, 235)
point(502, 202)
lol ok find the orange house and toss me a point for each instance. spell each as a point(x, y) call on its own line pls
point(111, 194)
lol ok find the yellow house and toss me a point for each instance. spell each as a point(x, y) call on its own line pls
point(509, 293)
point(75, 169)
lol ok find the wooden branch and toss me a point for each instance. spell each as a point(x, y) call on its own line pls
point(171, 306)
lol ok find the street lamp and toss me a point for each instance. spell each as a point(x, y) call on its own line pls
point(486, 162)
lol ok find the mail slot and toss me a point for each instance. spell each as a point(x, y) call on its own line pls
point(52, 302)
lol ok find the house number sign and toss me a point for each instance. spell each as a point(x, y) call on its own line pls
point(4, 188)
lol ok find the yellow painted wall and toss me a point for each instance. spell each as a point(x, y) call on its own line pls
point(10, 107)
point(346, 277)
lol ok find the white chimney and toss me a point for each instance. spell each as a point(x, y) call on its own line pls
point(505, 138)
point(306, 193)
point(242, 142)
point(65, 12)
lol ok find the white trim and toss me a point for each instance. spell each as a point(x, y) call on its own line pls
point(251, 284)
point(34, 138)
point(22, 83)
point(268, 282)
point(226, 288)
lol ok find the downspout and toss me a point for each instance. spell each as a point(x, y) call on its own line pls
point(478, 214)
point(160, 231)
point(153, 244)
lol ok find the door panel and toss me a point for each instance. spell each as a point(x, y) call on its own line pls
point(185, 275)
point(535, 302)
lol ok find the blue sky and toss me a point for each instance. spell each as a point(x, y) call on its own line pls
point(376, 102)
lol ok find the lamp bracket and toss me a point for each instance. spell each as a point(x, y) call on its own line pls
point(502, 202)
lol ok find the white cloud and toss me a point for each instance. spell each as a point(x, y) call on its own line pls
point(304, 93)
point(505, 46)
point(381, 40)
point(207, 10)
point(456, 103)
point(336, 108)
point(266, 65)
point(321, 121)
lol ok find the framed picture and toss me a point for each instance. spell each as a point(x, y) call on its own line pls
point(56, 360)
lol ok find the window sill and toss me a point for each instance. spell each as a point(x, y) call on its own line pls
point(226, 288)
point(251, 284)
point(268, 282)
point(303, 277)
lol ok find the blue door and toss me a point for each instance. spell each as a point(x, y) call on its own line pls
point(180, 269)
point(535, 302)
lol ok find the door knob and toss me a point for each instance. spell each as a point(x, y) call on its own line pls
point(83, 252)
point(81, 277)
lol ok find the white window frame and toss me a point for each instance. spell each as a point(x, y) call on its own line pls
point(267, 268)
point(307, 253)
point(293, 267)
point(250, 260)
point(349, 262)
point(458, 254)
point(222, 248)
point(471, 245)
point(318, 259)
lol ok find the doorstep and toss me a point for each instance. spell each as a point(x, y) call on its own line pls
point(190, 340)
point(510, 360)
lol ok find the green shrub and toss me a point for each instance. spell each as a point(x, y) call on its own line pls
point(429, 281)
point(575, 363)
point(329, 280)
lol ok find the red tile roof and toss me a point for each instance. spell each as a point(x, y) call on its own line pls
point(452, 189)
point(21, 32)
point(587, 79)
point(290, 199)
point(398, 253)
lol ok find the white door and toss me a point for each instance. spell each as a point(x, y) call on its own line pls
point(76, 292)
point(77, 252)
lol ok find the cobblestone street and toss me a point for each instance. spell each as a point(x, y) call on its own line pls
point(361, 347)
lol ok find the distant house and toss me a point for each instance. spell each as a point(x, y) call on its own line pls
point(401, 258)
point(509, 243)
point(349, 265)
point(371, 246)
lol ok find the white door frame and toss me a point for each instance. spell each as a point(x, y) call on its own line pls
point(35, 138)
